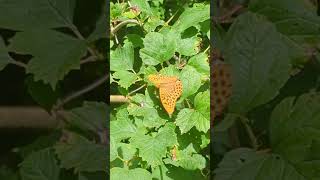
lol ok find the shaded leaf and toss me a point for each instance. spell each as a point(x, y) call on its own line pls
point(55, 54)
point(28, 14)
point(257, 74)
point(40, 165)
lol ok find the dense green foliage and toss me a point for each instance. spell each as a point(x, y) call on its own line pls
point(169, 38)
point(59, 46)
point(270, 129)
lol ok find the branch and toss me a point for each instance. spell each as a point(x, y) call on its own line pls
point(123, 23)
point(118, 99)
point(18, 63)
point(88, 59)
point(251, 135)
point(33, 117)
point(82, 91)
point(136, 90)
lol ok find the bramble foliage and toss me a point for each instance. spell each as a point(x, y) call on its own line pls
point(48, 40)
point(270, 129)
point(170, 38)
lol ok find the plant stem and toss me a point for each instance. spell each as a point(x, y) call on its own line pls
point(249, 130)
point(88, 59)
point(82, 91)
point(123, 23)
point(18, 63)
point(139, 88)
point(118, 99)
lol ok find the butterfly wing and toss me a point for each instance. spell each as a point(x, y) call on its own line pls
point(169, 93)
point(221, 87)
point(160, 79)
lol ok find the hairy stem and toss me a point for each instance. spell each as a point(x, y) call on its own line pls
point(123, 23)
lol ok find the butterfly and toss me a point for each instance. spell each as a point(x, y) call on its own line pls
point(221, 87)
point(170, 89)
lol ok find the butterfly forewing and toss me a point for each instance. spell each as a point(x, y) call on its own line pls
point(170, 89)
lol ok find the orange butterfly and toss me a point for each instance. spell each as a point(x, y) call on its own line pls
point(170, 89)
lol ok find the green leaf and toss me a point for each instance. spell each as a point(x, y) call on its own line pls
point(152, 23)
point(126, 78)
point(151, 118)
point(81, 154)
point(157, 48)
point(41, 142)
point(191, 81)
point(190, 160)
point(171, 70)
point(31, 14)
point(55, 54)
point(188, 118)
point(169, 172)
point(113, 149)
point(198, 117)
point(136, 40)
point(4, 56)
point(122, 58)
point(116, 10)
point(117, 173)
point(192, 16)
point(200, 63)
point(126, 151)
point(153, 148)
point(243, 163)
point(92, 175)
point(202, 103)
point(257, 74)
point(295, 132)
point(296, 18)
point(143, 106)
point(100, 30)
point(142, 5)
point(188, 46)
point(40, 165)
point(92, 116)
point(42, 93)
point(122, 127)
point(191, 137)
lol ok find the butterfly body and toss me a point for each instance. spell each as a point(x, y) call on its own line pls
point(170, 89)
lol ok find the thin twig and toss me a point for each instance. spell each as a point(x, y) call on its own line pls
point(88, 59)
point(187, 101)
point(18, 63)
point(251, 135)
point(123, 23)
point(136, 90)
point(82, 91)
